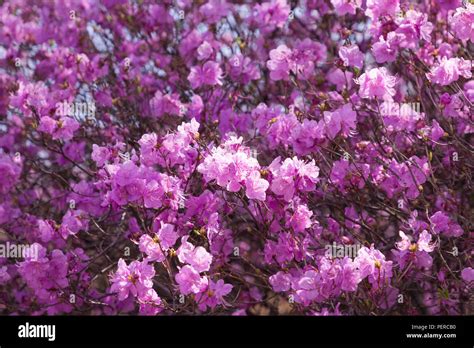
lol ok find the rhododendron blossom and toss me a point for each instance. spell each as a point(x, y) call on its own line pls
point(449, 70)
point(219, 157)
point(377, 83)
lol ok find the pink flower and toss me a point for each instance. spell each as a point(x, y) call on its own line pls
point(346, 174)
point(424, 242)
point(351, 56)
point(416, 252)
point(343, 7)
point(189, 281)
point(291, 175)
point(62, 129)
point(441, 223)
point(214, 10)
point(280, 281)
point(100, 154)
point(305, 56)
point(377, 83)
point(272, 14)
point(195, 107)
point(151, 247)
point(166, 104)
point(405, 243)
point(377, 8)
point(232, 167)
point(301, 218)
point(135, 279)
point(127, 186)
point(197, 257)
point(209, 74)
point(156, 246)
point(307, 287)
point(214, 295)
point(204, 51)
point(342, 119)
point(467, 274)
point(167, 235)
point(307, 135)
point(45, 230)
point(242, 69)
point(371, 263)
point(385, 50)
point(437, 131)
point(46, 275)
point(349, 275)
point(153, 194)
point(10, 171)
point(461, 22)
point(449, 70)
point(301, 60)
point(185, 249)
point(150, 303)
point(73, 222)
point(255, 186)
point(413, 27)
point(279, 64)
point(4, 276)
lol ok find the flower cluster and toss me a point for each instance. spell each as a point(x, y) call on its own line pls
point(212, 152)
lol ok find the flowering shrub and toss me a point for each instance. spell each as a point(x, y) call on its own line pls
point(192, 157)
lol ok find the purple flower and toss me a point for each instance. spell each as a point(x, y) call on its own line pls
point(301, 218)
point(279, 63)
point(467, 274)
point(416, 252)
point(100, 154)
point(153, 194)
point(135, 278)
point(343, 7)
point(385, 50)
point(449, 70)
point(340, 120)
point(151, 247)
point(209, 74)
point(280, 281)
point(4, 276)
point(232, 167)
point(272, 14)
point(441, 223)
point(204, 51)
point(63, 128)
point(190, 282)
point(214, 295)
point(351, 56)
point(377, 83)
point(255, 186)
point(73, 222)
point(242, 69)
point(306, 287)
point(461, 22)
point(372, 264)
point(166, 104)
point(377, 8)
point(291, 175)
point(46, 275)
point(150, 303)
point(10, 171)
